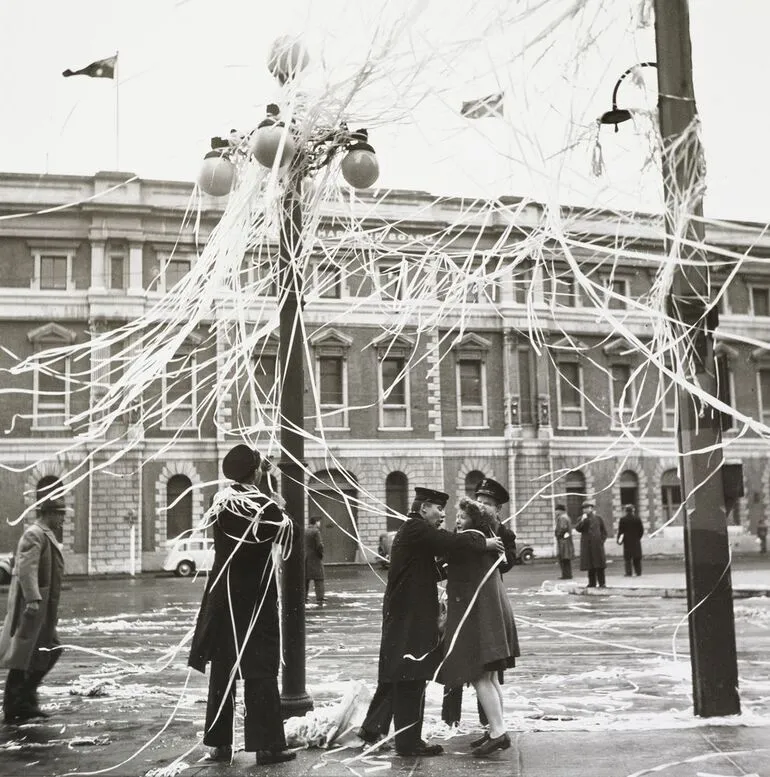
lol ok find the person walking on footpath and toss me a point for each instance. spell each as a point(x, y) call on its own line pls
point(565, 547)
point(630, 531)
point(29, 643)
point(237, 630)
point(494, 495)
point(410, 648)
point(762, 533)
point(480, 638)
point(314, 567)
point(593, 534)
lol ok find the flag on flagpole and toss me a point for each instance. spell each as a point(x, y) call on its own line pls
point(102, 68)
point(484, 107)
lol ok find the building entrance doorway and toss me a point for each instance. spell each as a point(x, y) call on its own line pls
point(332, 497)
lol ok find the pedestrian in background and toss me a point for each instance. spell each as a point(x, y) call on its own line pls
point(410, 649)
point(314, 553)
point(630, 531)
point(593, 534)
point(565, 547)
point(480, 638)
point(29, 643)
point(237, 629)
point(762, 533)
point(494, 495)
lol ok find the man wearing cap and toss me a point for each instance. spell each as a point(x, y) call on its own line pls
point(237, 629)
point(493, 494)
point(565, 547)
point(29, 644)
point(410, 650)
point(593, 533)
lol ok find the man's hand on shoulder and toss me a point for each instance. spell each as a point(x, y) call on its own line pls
point(495, 544)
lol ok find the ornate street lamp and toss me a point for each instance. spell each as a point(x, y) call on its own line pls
point(297, 155)
point(619, 115)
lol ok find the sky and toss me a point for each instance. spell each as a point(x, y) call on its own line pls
point(192, 69)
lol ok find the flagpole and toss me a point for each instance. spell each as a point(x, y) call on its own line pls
point(117, 112)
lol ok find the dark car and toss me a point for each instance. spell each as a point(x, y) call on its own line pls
point(6, 568)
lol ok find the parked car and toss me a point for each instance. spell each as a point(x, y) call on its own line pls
point(383, 548)
point(190, 555)
point(6, 568)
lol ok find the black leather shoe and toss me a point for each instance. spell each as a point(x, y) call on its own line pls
point(503, 742)
point(423, 750)
point(265, 757)
point(474, 743)
point(220, 753)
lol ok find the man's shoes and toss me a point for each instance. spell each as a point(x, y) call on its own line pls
point(503, 742)
point(220, 753)
point(265, 757)
point(23, 715)
point(474, 743)
point(423, 749)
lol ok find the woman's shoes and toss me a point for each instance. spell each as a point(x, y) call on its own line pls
point(473, 744)
point(503, 742)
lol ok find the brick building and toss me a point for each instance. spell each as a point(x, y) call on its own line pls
point(493, 399)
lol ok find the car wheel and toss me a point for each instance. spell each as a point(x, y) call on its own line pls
point(527, 555)
point(185, 568)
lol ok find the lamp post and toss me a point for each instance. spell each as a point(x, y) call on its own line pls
point(618, 115)
point(298, 153)
point(693, 319)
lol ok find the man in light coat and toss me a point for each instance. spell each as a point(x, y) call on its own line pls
point(29, 644)
point(565, 547)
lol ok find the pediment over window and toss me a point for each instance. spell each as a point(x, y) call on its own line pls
point(619, 347)
point(472, 342)
point(51, 333)
point(330, 338)
point(760, 355)
point(392, 345)
point(731, 354)
point(567, 346)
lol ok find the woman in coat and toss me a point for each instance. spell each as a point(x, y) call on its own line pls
point(29, 644)
point(237, 629)
point(593, 534)
point(630, 531)
point(480, 634)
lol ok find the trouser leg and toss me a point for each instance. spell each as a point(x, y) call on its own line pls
point(14, 693)
point(408, 706)
point(380, 713)
point(219, 722)
point(592, 578)
point(566, 568)
point(600, 576)
point(263, 723)
point(451, 705)
point(627, 562)
point(320, 590)
point(638, 565)
point(307, 587)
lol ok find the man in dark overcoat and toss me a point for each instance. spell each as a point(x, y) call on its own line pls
point(630, 531)
point(492, 494)
point(410, 650)
point(314, 554)
point(237, 630)
point(593, 534)
point(565, 547)
point(29, 643)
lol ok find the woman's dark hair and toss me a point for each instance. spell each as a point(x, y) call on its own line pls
point(482, 517)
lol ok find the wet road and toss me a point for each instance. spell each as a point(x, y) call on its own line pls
point(613, 662)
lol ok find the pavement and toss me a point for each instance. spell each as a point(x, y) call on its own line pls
point(679, 746)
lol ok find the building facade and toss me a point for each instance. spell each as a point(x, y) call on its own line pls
point(532, 387)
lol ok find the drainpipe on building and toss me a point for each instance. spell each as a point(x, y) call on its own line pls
point(90, 509)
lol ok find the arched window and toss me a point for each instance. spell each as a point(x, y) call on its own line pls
point(670, 494)
point(472, 480)
point(575, 488)
point(396, 498)
point(179, 510)
point(629, 489)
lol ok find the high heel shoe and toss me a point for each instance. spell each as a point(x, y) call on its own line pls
point(503, 742)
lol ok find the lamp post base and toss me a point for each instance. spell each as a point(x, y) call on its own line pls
point(295, 705)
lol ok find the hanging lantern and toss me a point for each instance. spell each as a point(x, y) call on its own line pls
point(269, 135)
point(360, 167)
point(217, 173)
point(287, 58)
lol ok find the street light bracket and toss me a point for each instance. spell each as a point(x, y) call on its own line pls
point(619, 115)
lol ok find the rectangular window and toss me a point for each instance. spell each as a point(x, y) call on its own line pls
point(264, 399)
point(760, 301)
point(175, 269)
point(564, 292)
point(570, 395)
point(180, 391)
point(763, 377)
point(471, 393)
point(620, 377)
point(329, 281)
point(392, 281)
point(54, 272)
point(725, 389)
point(526, 410)
point(394, 393)
point(117, 271)
point(521, 283)
point(331, 384)
point(51, 395)
point(262, 272)
point(619, 288)
point(668, 405)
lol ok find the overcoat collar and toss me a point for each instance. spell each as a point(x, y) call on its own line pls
point(51, 536)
